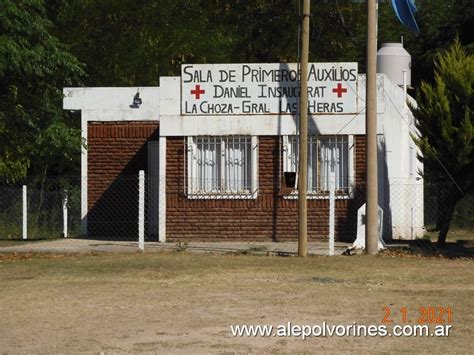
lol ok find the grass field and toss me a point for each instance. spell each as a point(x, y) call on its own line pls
point(179, 302)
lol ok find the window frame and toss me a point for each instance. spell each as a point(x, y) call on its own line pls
point(224, 141)
point(290, 158)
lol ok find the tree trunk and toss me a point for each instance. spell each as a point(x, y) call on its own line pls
point(440, 207)
point(449, 204)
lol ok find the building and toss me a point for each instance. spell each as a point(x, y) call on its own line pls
point(230, 176)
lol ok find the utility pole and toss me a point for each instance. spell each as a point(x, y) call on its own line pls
point(303, 138)
point(371, 227)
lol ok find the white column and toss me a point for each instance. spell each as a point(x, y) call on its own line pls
point(405, 88)
point(84, 127)
point(350, 162)
point(141, 210)
point(254, 171)
point(25, 213)
point(65, 214)
point(162, 192)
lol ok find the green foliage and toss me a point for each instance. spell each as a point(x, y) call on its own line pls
point(262, 31)
point(444, 119)
point(135, 42)
point(34, 67)
point(441, 22)
point(129, 43)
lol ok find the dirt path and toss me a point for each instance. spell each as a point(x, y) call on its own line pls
point(100, 246)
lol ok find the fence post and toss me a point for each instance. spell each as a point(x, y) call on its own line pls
point(65, 214)
point(331, 219)
point(25, 213)
point(141, 210)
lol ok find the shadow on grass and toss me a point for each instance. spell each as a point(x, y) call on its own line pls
point(453, 249)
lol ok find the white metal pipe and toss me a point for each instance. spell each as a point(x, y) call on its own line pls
point(332, 213)
point(65, 215)
point(141, 210)
point(25, 212)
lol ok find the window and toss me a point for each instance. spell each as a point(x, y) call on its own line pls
point(329, 162)
point(222, 166)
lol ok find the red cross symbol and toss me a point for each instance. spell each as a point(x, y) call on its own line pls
point(197, 91)
point(339, 90)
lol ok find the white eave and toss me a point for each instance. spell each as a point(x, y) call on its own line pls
point(113, 103)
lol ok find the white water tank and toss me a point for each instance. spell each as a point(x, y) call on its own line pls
point(392, 60)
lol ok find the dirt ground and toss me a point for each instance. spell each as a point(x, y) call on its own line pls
point(176, 302)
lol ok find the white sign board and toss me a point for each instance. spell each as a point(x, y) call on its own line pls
point(267, 89)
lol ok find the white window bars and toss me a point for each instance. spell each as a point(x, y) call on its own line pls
point(222, 167)
point(329, 161)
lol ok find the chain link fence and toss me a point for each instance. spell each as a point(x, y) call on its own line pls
point(113, 209)
point(410, 212)
point(11, 212)
point(411, 215)
point(49, 209)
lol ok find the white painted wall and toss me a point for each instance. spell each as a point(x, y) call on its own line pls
point(114, 103)
point(108, 104)
point(402, 201)
point(173, 124)
point(401, 189)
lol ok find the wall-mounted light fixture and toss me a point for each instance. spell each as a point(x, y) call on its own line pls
point(137, 101)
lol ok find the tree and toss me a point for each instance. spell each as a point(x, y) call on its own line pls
point(136, 42)
point(440, 22)
point(34, 67)
point(444, 119)
point(126, 43)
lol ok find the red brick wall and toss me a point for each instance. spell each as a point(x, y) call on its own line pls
point(116, 152)
point(269, 217)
